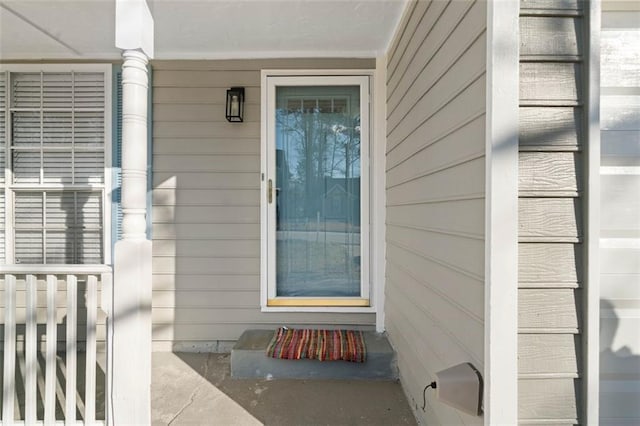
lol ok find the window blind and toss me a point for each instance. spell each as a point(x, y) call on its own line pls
point(3, 148)
point(57, 152)
point(117, 159)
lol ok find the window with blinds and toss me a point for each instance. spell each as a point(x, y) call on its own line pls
point(52, 137)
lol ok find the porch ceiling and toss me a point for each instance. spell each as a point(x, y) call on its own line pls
point(204, 29)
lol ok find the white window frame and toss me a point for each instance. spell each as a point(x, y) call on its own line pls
point(364, 79)
point(106, 187)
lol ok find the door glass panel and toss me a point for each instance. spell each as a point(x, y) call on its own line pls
point(318, 191)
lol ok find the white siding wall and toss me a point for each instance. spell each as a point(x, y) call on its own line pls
point(620, 227)
point(206, 205)
point(435, 196)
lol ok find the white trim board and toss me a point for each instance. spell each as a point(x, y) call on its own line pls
point(378, 177)
point(501, 216)
point(591, 303)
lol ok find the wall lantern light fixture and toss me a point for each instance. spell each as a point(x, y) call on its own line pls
point(235, 104)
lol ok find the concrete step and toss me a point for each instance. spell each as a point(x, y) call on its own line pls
point(248, 360)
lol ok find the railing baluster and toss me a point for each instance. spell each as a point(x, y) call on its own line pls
point(72, 327)
point(90, 389)
point(52, 347)
point(31, 342)
point(8, 385)
point(106, 304)
point(44, 382)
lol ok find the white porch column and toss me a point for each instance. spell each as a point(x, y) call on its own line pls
point(130, 343)
point(135, 85)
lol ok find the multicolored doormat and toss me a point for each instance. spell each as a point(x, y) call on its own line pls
point(323, 345)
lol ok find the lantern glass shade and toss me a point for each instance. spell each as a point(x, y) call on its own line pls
point(235, 104)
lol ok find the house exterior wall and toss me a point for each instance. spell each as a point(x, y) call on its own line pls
point(552, 185)
point(435, 174)
point(620, 214)
point(206, 205)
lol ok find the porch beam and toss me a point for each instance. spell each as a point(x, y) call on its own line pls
point(134, 26)
point(129, 384)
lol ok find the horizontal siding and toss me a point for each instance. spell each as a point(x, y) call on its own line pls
point(456, 252)
point(192, 129)
point(206, 197)
point(539, 79)
point(203, 248)
point(535, 358)
point(212, 228)
point(440, 21)
point(551, 220)
point(440, 121)
point(550, 6)
point(461, 217)
point(205, 78)
point(436, 155)
point(195, 163)
point(550, 173)
point(200, 282)
point(206, 205)
point(431, 186)
point(189, 113)
point(555, 36)
point(550, 264)
point(192, 214)
point(442, 279)
point(434, 305)
point(206, 180)
point(411, 34)
point(545, 128)
point(554, 400)
point(550, 310)
point(460, 69)
point(438, 305)
point(206, 265)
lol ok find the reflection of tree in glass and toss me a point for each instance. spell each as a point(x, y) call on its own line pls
point(318, 197)
point(322, 141)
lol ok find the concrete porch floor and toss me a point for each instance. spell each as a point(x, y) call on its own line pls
point(196, 389)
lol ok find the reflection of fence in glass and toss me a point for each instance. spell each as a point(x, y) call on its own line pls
point(318, 191)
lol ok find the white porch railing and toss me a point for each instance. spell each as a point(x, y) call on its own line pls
point(47, 297)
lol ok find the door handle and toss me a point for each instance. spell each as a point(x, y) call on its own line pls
point(270, 191)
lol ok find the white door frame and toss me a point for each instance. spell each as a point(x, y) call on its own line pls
point(271, 79)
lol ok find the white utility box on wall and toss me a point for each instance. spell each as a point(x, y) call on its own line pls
point(461, 387)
